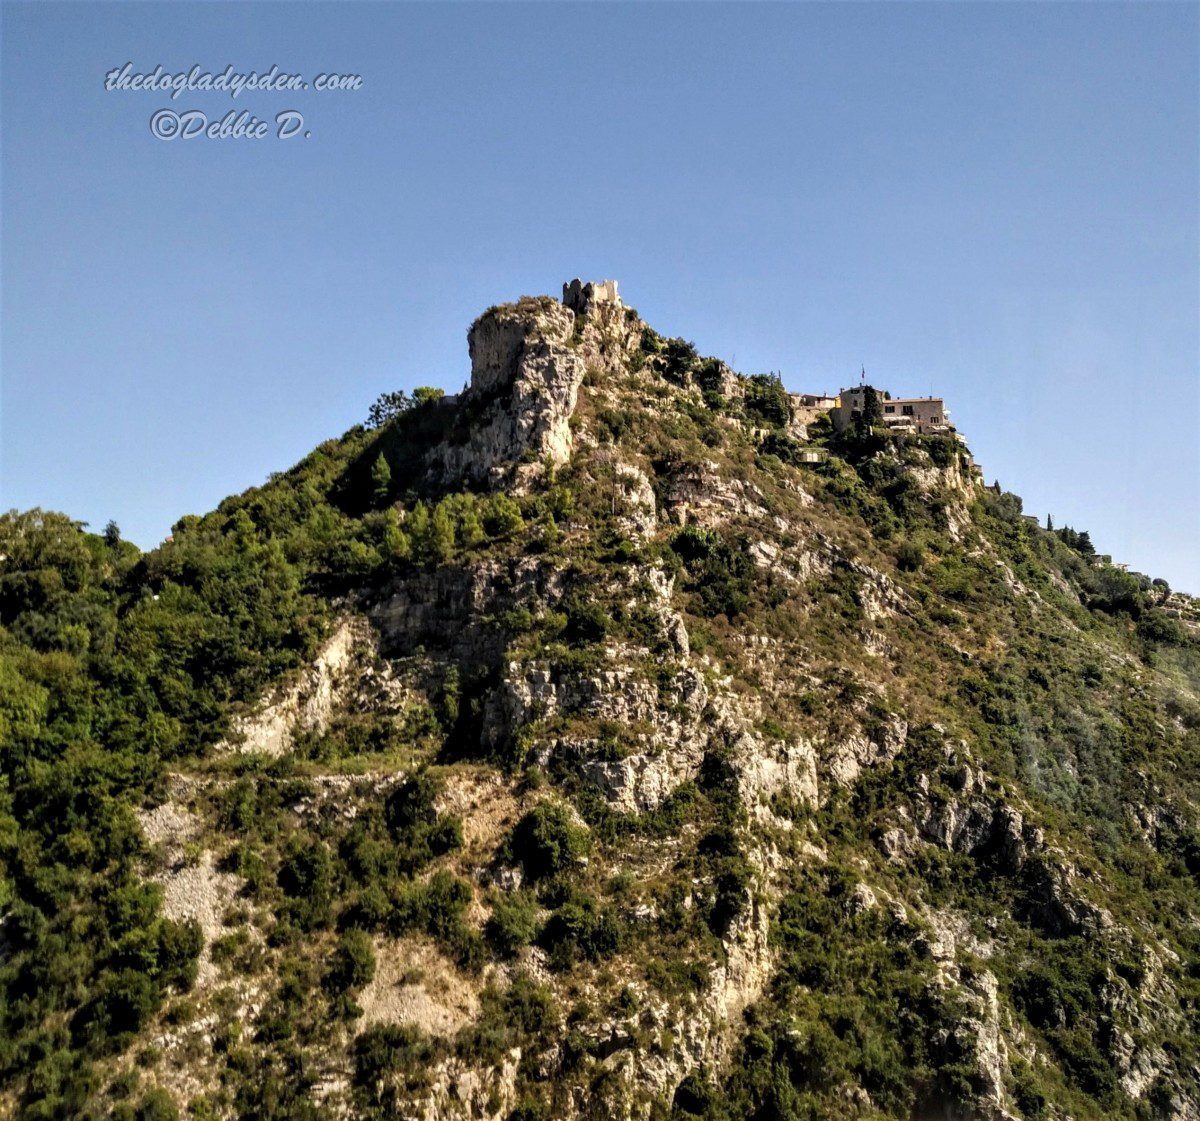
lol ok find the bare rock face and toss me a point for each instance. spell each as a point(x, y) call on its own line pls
point(305, 704)
point(642, 782)
point(525, 381)
point(670, 749)
point(699, 493)
point(846, 760)
point(447, 609)
point(638, 504)
point(768, 770)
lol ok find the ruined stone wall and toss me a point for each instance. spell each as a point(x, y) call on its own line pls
point(580, 296)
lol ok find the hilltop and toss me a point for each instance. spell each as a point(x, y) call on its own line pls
point(622, 737)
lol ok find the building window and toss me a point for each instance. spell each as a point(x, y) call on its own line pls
point(908, 410)
point(889, 408)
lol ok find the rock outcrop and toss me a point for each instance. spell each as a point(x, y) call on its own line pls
point(525, 380)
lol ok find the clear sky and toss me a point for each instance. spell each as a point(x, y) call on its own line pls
point(997, 204)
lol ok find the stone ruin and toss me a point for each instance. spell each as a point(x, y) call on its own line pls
point(581, 297)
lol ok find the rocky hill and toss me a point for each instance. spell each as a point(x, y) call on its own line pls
point(611, 740)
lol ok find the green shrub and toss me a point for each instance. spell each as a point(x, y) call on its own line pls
point(124, 1003)
point(307, 870)
point(943, 450)
point(353, 962)
point(1113, 590)
point(410, 806)
point(910, 556)
point(527, 1109)
point(546, 842)
point(680, 359)
point(412, 817)
point(157, 1105)
point(580, 928)
point(721, 570)
point(694, 1096)
point(387, 1059)
point(1157, 626)
point(513, 923)
point(587, 621)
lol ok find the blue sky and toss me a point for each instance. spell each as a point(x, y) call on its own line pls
point(993, 203)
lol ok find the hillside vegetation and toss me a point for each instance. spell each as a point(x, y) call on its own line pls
point(576, 747)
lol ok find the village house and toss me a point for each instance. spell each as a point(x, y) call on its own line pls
point(926, 416)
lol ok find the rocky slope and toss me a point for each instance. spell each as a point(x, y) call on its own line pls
point(648, 769)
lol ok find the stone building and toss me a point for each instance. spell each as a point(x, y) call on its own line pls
point(924, 415)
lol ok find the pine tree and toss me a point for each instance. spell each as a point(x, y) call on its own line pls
point(387, 407)
point(381, 479)
point(395, 541)
point(427, 394)
point(470, 528)
point(112, 535)
point(504, 517)
point(441, 533)
point(1049, 524)
point(417, 527)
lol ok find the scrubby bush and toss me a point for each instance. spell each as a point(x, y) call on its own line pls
point(513, 923)
point(580, 928)
point(527, 1109)
point(910, 556)
point(680, 358)
point(708, 375)
point(388, 1059)
point(420, 833)
point(123, 1003)
point(720, 569)
point(587, 620)
point(502, 517)
point(943, 450)
point(546, 842)
point(1114, 591)
point(307, 871)
point(695, 1096)
point(782, 447)
point(387, 407)
point(1155, 626)
point(157, 1105)
point(410, 805)
point(352, 964)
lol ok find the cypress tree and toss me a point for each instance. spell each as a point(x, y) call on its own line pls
point(872, 413)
